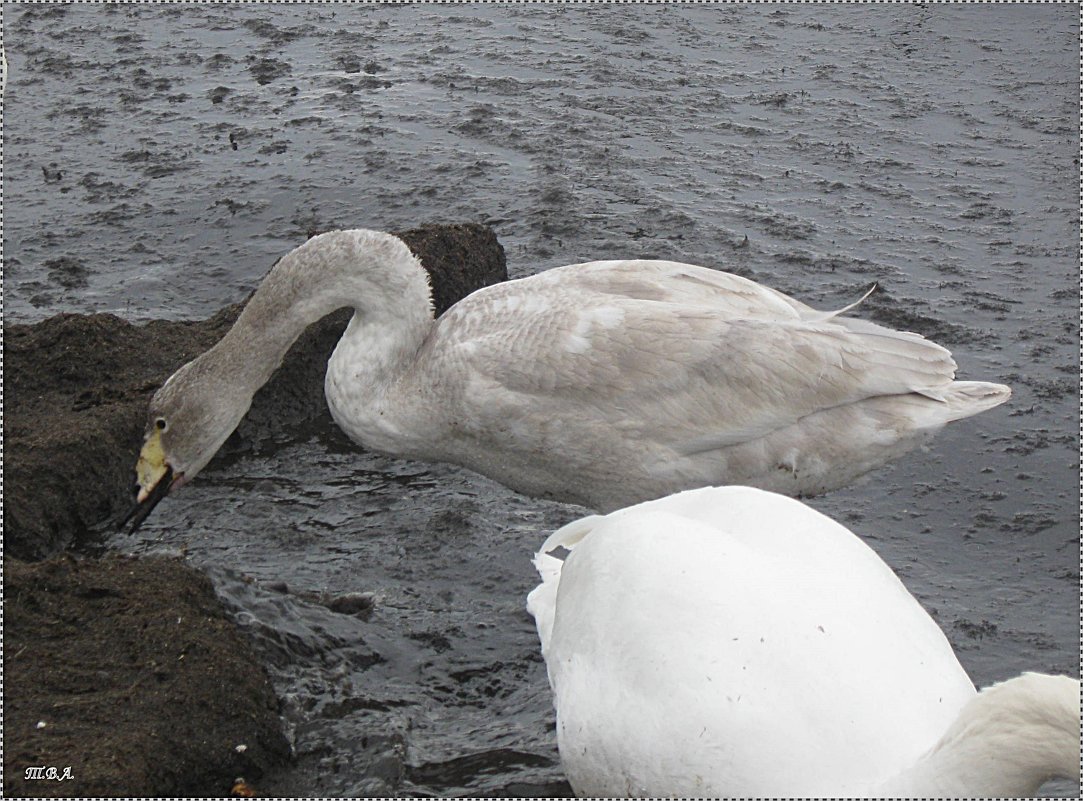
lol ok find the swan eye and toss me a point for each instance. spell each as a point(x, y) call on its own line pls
point(161, 424)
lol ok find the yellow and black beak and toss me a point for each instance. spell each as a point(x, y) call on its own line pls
point(154, 477)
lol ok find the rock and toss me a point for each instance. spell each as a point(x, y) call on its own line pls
point(218, 93)
point(351, 603)
point(78, 387)
point(145, 687)
point(266, 70)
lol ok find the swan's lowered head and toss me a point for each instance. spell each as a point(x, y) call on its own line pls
point(197, 409)
point(190, 417)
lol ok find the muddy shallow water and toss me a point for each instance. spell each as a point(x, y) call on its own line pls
point(157, 159)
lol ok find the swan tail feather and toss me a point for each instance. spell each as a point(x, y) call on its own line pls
point(854, 305)
point(967, 398)
point(904, 359)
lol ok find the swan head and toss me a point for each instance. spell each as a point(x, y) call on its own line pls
point(189, 419)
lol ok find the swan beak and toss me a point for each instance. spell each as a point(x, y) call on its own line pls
point(155, 478)
point(151, 467)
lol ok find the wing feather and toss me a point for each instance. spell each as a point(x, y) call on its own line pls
point(693, 359)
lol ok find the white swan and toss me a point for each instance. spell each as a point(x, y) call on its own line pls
point(601, 384)
point(734, 642)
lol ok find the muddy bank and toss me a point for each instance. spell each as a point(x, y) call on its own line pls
point(129, 673)
point(143, 682)
point(78, 386)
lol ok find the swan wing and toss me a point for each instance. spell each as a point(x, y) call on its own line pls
point(691, 285)
point(689, 376)
point(542, 600)
point(609, 382)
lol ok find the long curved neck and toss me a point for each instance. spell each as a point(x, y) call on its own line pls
point(373, 272)
point(1008, 741)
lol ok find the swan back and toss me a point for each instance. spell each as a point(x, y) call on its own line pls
point(710, 643)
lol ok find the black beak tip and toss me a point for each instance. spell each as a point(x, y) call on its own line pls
point(141, 511)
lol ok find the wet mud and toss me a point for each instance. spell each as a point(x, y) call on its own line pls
point(930, 149)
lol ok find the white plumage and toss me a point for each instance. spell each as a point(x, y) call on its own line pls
point(734, 642)
point(602, 384)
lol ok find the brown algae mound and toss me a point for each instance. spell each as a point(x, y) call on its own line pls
point(129, 673)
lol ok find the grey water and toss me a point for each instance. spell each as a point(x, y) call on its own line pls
point(159, 158)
